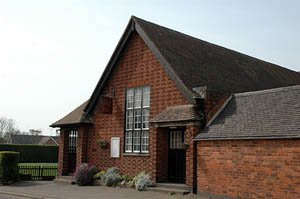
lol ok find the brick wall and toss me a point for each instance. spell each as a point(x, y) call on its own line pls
point(81, 153)
point(137, 66)
point(63, 152)
point(249, 168)
point(213, 103)
point(191, 152)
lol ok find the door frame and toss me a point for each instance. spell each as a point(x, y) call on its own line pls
point(72, 149)
point(170, 179)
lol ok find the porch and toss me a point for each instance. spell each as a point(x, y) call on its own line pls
point(174, 150)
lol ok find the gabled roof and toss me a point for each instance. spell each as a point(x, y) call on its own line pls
point(77, 116)
point(192, 62)
point(32, 139)
point(266, 114)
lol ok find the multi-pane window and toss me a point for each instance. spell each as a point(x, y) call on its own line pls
point(137, 119)
point(177, 139)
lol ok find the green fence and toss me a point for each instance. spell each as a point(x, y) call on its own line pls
point(38, 171)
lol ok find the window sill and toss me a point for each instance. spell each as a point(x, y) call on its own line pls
point(137, 154)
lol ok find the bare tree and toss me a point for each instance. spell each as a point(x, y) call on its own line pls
point(35, 131)
point(3, 124)
point(7, 128)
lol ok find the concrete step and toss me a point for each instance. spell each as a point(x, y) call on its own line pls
point(170, 188)
point(173, 185)
point(64, 180)
point(65, 177)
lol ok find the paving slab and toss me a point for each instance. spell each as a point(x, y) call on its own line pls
point(50, 190)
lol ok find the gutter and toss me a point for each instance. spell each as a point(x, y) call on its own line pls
point(248, 138)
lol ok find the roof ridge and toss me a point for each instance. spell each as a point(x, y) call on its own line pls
point(207, 42)
point(184, 34)
point(272, 90)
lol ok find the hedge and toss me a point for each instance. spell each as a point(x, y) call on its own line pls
point(33, 153)
point(9, 166)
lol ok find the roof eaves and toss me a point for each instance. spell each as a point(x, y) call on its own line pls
point(68, 124)
point(189, 95)
point(248, 138)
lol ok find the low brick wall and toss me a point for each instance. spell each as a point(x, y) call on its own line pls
point(249, 168)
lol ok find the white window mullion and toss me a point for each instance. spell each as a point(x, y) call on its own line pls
point(128, 141)
point(137, 119)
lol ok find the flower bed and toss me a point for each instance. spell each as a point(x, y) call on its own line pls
point(112, 178)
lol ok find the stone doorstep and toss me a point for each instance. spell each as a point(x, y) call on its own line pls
point(170, 188)
point(64, 180)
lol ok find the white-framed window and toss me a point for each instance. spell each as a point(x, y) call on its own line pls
point(137, 119)
point(129, 119)
point(130, 95)
point(177, 139)
point(146, 116)
point(128, 141)
point(145, 141)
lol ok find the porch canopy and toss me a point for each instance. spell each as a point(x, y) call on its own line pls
point(75, 118)
point(182, 115)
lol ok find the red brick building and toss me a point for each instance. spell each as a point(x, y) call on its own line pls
point(160, 90)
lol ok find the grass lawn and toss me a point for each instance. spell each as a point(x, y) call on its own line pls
point(39, 171)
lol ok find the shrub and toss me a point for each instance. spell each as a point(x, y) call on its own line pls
point(112, 177)
point(112, 180)
point(126, 178)
point(99, 175)
point(30, 153)
point(142, 181)
point(136, 177)
point(9, 166)
point(84, 174)
point(112, 170)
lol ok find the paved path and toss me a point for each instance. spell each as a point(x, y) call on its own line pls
point(50, 190)
point(10, 197)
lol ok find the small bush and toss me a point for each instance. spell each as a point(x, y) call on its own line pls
point(84, 174)
point(112, 170)
point(112, 180)
point(136, 177)
point(9, 166)
point(111, 177)
point(142, 181)
point(99, 175)
point(126, 178)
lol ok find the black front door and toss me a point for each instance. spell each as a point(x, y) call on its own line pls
point(72, 150)
point(176, 159)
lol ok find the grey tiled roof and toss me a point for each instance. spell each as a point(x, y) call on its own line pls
point(199, 63)
point(75, 117)
point(178, 113)
point(31, 139)
point(273, 113)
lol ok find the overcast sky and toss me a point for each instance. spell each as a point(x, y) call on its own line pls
point(52, 53)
